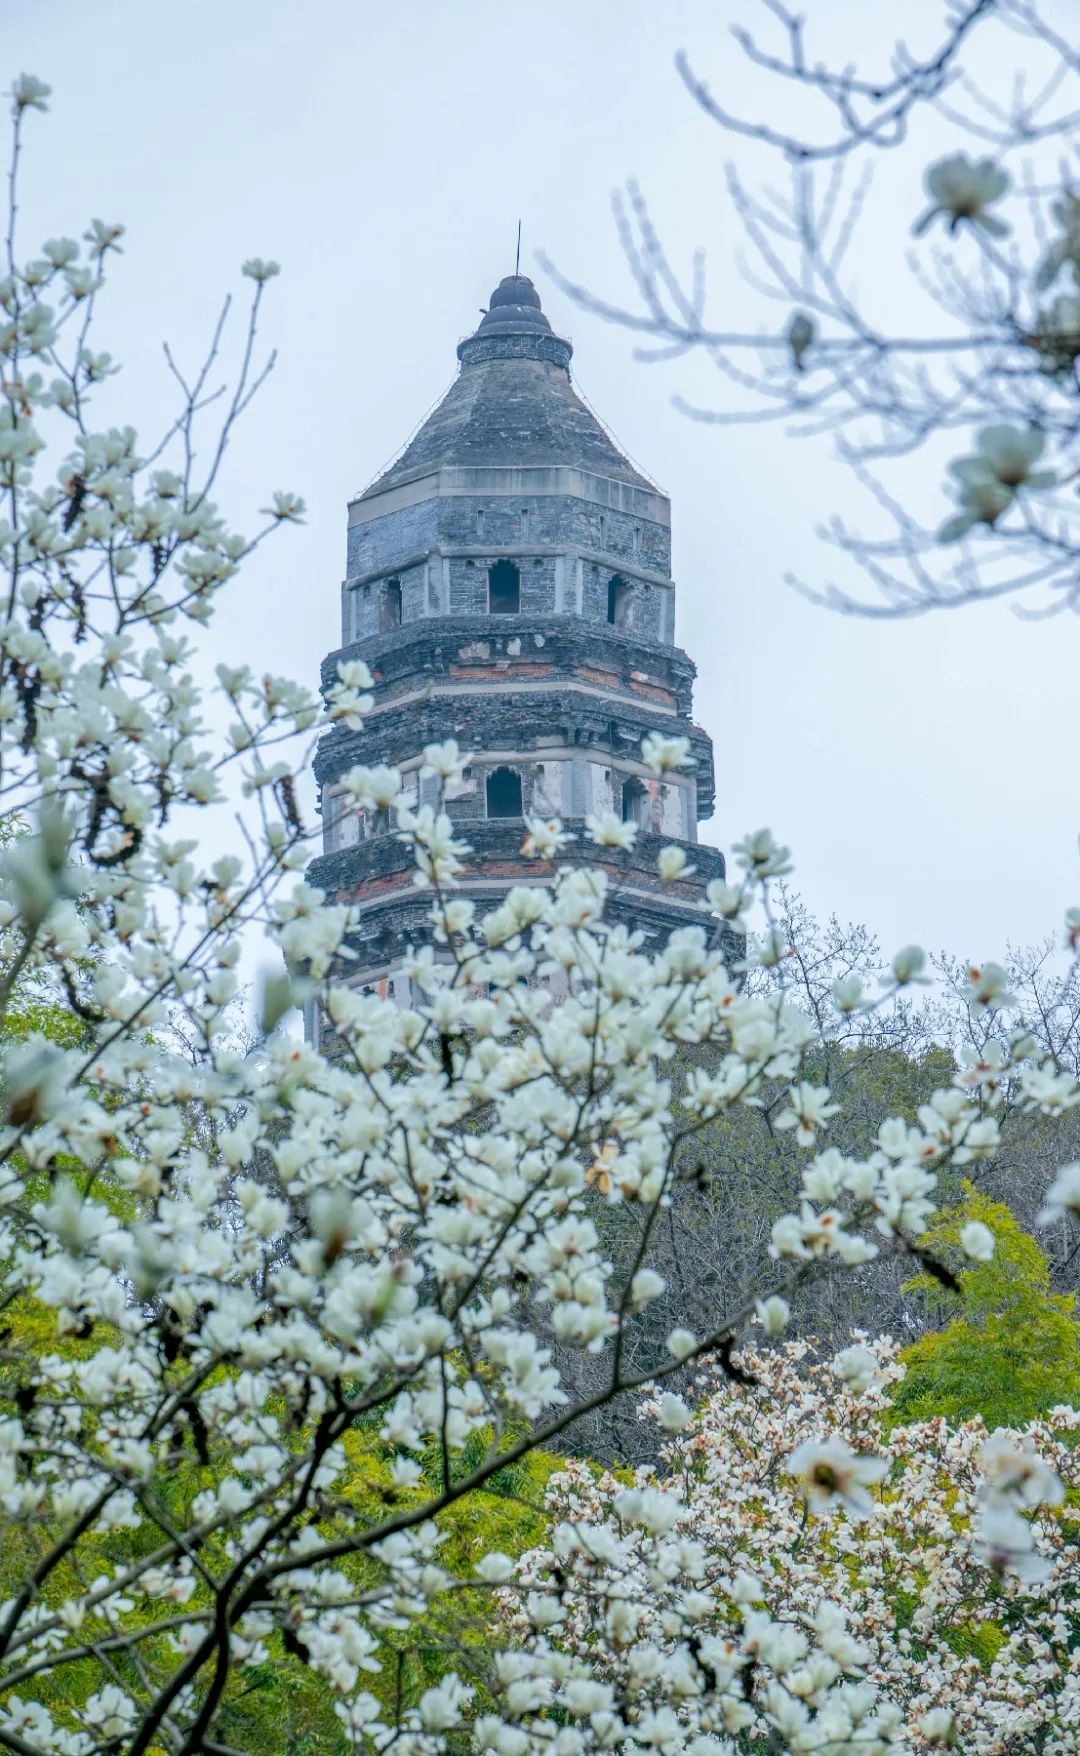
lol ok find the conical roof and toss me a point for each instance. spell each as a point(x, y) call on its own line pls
point(512, 403)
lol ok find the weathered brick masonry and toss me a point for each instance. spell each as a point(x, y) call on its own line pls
point(509, 584)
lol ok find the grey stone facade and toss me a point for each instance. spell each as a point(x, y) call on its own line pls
point(508, 582)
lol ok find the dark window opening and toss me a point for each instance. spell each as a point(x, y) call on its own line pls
point(635, 803)
point(479, 524)
point(603, 529)
point(390, 606)
point(504, 793)
point(504, 589)
point(618, 601)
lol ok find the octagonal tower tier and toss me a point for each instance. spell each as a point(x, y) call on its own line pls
point(509, 585)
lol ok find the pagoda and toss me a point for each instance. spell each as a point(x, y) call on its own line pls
point(509, 585)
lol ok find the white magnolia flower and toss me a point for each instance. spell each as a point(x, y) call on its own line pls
point(977, 1241)
point(858, 1368)
point(646, 1286)
point(259, 270)
point(727, 900)
point(102, 236)
point(440, 1708)
point(773, 1314)
point(808, 1109)
point(681, 1343)
point(988, 482)
point(961, 190)
point(938, 1727)
point(545, 838)
point(286, 506)
point(444, 762)
point(830, 1474)
point(1005, 1543)
point(60, 251)
point(761, 855)
point(29, 93)
point(673, 1414)
point(609, 831)
point(354, 674)
point(1062, 1197)
point(661, 754)
point(1015, 1472)
point(908, 965)
point(110, 1712)
point(672, 863)
point(983, 1069)
point(988, 985)
point(377, 788)
point(847, 993)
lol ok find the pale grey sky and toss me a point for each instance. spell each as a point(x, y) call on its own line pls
point(924, 773)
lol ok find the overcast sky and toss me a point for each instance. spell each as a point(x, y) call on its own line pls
point(925, 772)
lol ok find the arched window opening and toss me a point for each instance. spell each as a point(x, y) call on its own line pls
point(504, 589)
point(636, 805)
point(618, 601)
point(390, 606)
point(480, 522)
point(504, 793)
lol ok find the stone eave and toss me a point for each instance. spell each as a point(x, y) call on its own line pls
point(378, 873)
point(431, 637)
point(481, 481)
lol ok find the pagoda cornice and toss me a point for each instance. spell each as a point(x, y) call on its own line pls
point(485, 648)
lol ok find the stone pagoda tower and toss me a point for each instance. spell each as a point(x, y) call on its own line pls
point(509, 585)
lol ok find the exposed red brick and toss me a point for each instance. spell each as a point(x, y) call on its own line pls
point(653, 691)
point(496, 673)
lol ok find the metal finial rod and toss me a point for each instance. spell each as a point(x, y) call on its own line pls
point(517, 256)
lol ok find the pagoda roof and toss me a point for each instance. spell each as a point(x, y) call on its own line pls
point(512, 404)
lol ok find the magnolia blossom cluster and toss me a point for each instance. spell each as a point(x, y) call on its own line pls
point(1008, 464)
point(800, 1572)
point(220, 1263)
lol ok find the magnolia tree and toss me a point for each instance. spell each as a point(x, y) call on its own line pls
point(976, 364)
point(220, 1268)
point(943, 1570)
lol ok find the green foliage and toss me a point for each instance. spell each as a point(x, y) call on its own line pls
point(282, 1705)
point(1012, 1348)
point(507, 1515)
